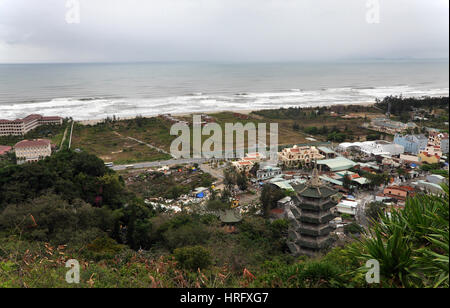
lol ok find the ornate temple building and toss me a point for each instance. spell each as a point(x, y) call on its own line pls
point(310, 214)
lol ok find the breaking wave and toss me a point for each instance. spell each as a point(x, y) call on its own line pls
point(85, 108)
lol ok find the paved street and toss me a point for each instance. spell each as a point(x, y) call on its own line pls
point(159, 164)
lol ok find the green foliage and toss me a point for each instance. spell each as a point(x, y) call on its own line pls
point(68, 174)
point(217, 205)
point(402, 105)
point(309, 274)
point(103, 248)
point(353, 228)
point(374, 210)
point(193, 257)
point(49, 218)
point(411, 244)
point(269, 197)
point(242, 181)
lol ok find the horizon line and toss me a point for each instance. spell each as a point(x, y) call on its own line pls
point(361, 60)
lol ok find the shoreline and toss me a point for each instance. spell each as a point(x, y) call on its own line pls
point(211, 112)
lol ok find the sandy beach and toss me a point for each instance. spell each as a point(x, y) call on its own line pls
point(211, 112)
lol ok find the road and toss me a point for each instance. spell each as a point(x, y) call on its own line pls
point(364, 200)
point(160, 163)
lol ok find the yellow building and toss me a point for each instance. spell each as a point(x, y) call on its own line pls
point(294, 156)
point(425, 157)
point(32, 150)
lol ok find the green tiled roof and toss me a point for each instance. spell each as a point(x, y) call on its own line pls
point(314, 192)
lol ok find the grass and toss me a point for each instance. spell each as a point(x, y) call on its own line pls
point(110, 143)
point(109, 140)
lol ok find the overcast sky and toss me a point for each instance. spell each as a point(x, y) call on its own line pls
point(221, 30)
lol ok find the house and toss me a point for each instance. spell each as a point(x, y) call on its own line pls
point(428, 187)
point(242, 166)
point(439, 140)
point(327, 152)
point(32, 150)
point(299, 155)
point(409, 159)
point(412, 143)
point(254, 157)
point(347, 207)
point(391, 127)
point(431, 155)
point(4, 149)
point(399, 193)
point(268, 172)
point(20, 127)
point(436, 179)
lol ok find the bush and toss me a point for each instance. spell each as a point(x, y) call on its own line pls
point(189, 234)
point(193, 257)
point(103, 248)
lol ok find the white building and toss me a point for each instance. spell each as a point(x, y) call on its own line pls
point(379, 147)
point(268, 172)
point(347, 207)
point(20, 127)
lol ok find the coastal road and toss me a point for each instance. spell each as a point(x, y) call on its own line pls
point(160, 163)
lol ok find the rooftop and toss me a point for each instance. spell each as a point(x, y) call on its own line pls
point(32, 143)
point(337, 164)
point(4, 149)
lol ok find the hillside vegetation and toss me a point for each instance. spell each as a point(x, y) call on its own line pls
point(69, 206)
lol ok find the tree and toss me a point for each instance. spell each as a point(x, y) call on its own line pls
point(242, 181)
point(374, 210)
point(254, 169)
point(347, 182)
point(217, 205)
point(269, 197)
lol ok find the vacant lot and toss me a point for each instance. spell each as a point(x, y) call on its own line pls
point(104, 141)
point(176, 182)
point(110, 140)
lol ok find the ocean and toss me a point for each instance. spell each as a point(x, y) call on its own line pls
point(95, 91)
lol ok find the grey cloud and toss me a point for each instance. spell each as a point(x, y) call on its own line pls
point(224, 30)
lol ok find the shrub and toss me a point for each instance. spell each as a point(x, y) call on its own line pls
point(103, 248)
point(193, 257)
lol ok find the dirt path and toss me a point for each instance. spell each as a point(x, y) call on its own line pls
point(144, 143)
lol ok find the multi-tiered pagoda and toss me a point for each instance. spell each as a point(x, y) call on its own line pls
point(311, 213)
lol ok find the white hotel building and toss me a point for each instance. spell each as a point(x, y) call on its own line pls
point(20, 127)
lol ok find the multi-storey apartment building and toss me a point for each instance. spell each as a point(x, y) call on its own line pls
point(32, 150)
point(20, 127)
point(440, 140)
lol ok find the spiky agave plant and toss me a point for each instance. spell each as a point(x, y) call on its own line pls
point(411, 244)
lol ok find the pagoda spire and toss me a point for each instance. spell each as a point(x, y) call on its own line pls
point(315, 180)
